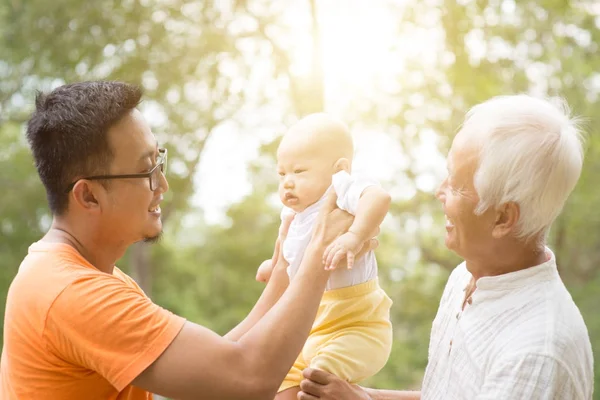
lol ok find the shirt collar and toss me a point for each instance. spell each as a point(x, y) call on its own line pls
point(514, 280)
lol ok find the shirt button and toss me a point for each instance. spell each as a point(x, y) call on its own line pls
point(458, 315)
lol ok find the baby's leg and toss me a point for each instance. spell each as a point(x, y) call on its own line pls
point(354, 353)
point(263, 274)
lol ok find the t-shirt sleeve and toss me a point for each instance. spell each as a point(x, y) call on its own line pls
point(103, 324)
point(349, 189)
point(529, 376)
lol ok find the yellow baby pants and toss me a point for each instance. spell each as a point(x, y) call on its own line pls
point(351, 336)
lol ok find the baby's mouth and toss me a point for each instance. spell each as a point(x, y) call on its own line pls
point(290, 198)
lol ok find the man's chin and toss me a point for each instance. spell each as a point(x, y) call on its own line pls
point(153, 239)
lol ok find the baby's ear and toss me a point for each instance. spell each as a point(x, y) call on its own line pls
point(342, 165)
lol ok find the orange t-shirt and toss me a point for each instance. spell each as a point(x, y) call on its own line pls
point(72, 332)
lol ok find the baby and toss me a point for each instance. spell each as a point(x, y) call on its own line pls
point(352, 333)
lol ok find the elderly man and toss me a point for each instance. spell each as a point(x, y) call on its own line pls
point(76, 327)
point(506, 327)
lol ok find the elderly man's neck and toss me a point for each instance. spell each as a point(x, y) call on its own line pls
point(98, 250)
point(506, 256)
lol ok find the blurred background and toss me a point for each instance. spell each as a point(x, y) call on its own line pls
point(223, 79)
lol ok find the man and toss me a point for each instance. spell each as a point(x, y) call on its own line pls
point(77, 328)
point(506, 327)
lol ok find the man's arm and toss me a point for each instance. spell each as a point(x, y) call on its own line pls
point(532, 376)
point(325, 386)
point(378, 394)
point(199, 364)
point(276, 286)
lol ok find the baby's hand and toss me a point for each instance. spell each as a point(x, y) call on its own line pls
point(263, 274)
point(347, 246)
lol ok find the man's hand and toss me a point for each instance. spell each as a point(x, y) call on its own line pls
point(325, 386)
point(347, 245)
point(331, 222)
point(263, 274)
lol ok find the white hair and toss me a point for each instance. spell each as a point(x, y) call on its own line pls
point(531, 154)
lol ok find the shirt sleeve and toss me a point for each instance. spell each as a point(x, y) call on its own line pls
point(102, 324)
point(349, 189)
point(529, 376)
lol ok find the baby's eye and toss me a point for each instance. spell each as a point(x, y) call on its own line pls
point(299, 171)
point(281, 173)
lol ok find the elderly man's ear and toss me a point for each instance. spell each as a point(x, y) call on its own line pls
point(507, 217)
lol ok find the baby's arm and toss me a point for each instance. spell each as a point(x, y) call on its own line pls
point(373, 205)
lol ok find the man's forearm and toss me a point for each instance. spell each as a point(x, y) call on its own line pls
point(269, 297)
point(274, 342)
point(377, 394)
point(373, 206)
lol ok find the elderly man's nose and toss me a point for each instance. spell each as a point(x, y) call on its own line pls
point(440, 192)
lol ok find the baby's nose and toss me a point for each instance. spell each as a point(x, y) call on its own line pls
point(288, 182)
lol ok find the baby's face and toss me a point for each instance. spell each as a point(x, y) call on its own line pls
point(304, 174)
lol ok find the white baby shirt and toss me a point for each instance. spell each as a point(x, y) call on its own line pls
point(348, 190)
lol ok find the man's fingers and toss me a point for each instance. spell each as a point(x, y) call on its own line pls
point(368, 246)
point(285, 225)
point(376, 232)
point(311, 388)
point(276, 250)
point(329, 204)
point(373, 244)
point(317, 376)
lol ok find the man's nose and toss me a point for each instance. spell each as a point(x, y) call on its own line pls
point(163, 183)
point(440, 193)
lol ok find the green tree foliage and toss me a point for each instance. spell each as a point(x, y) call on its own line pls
point(196, 62)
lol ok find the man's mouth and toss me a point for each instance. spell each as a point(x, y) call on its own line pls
point(449, 223)
point(155, 209)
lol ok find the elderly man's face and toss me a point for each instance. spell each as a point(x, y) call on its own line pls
point(131, 210)
point(467, 234)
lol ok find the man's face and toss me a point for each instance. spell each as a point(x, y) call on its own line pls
point(131, 211)
point(467, 234)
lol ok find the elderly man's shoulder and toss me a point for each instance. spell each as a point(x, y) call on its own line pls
point(543, 322)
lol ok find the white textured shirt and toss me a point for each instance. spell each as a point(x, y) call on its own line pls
point(521, 337)
point(348, 190)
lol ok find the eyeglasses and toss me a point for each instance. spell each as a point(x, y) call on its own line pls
point(153, 175)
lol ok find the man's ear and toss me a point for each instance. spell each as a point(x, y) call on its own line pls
point(85, 194)
point(507, 217)
point(342, 165)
